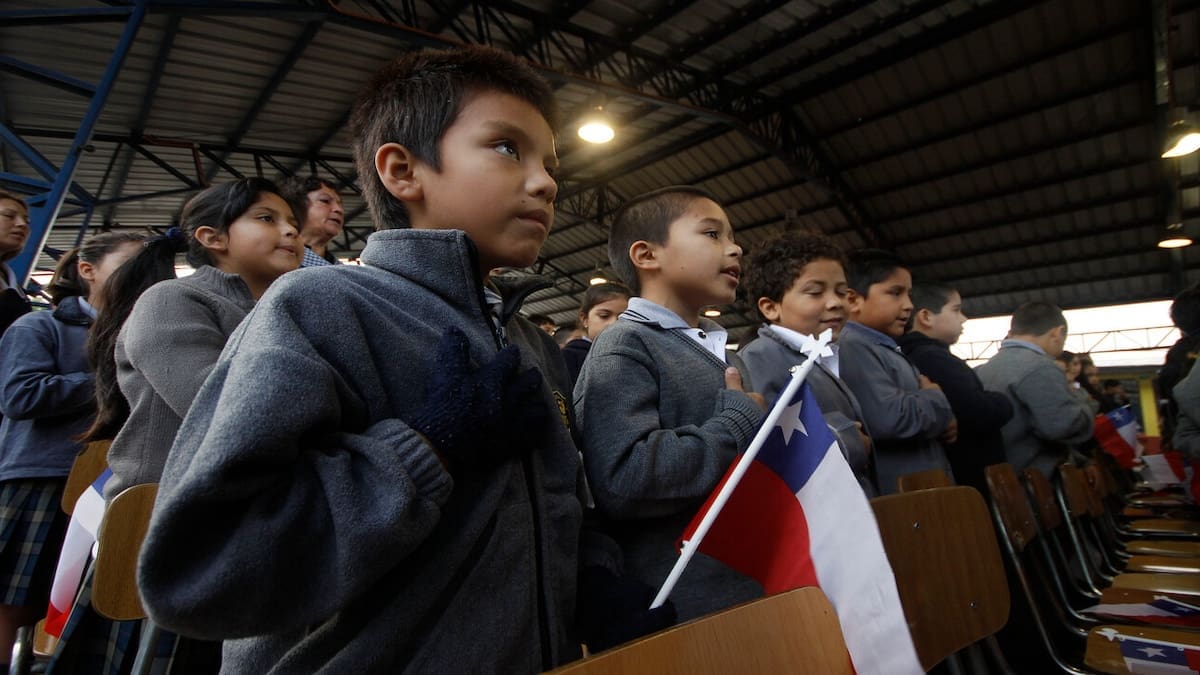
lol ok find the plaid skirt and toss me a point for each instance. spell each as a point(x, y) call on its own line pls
point(32, 527)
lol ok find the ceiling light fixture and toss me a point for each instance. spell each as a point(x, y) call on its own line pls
point(712, 313)
point(1182, 139)
point(596, 127)
point(1173, 236)
point(598, 276)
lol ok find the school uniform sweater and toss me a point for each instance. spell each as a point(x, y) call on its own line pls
point(46, 391)
point(659, 429)
point(980, 413)
point(904, 420)
point(164, 352)
point(766, 363)
point(1047, 416)
point(1186, 438)
point(302, 520)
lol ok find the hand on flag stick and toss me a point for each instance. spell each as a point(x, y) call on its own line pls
point(693, 544)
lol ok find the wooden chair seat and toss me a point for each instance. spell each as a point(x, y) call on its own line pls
point(1178, 584)
point(114, 582)
point(1152, 526)
point(1164, 547)
point(1163, 563)
point(792, 632)
point(1114, 595)
point(1105, 655)
point(924, 480)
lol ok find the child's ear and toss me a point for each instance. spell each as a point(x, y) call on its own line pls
point(210, 239)
point(644, 255)
point(396, 166)
point(923, 317)
point(853, 301)
point(87, 271)
point(769, 309)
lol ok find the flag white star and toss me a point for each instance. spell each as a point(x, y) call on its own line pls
point(789, 421)
point(1152, 651)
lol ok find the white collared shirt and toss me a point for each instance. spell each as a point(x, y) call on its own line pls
point(709, 334)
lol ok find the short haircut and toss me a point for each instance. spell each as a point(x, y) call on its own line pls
point(413, 101)
point(1037, 318)
point(540, 319)
point(647, 217)
point(598, 293)
point(869, 266)
point(1185, 310)
point(774, 268)
point(295, 189)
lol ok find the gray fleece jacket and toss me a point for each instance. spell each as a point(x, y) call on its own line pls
point(659, 429)
point(164, 352)
point(1046, 413)
point(301, 519)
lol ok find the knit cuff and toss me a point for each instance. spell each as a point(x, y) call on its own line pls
point(420, 462)
point(741, 414)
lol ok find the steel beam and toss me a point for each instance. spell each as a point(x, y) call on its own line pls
point(47, 76)
point(43, 217)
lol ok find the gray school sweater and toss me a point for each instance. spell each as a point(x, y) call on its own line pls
point(1047, 415)
point(300, 513)
point(164, 352)
point(659, 431)
point(904, 420)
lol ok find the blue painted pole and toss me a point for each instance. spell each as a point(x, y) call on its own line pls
point(42, 216)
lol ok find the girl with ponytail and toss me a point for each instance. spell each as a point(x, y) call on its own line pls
point(164, 339)
point(47, 399)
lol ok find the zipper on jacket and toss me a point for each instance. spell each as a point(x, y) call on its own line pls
point(527, 469)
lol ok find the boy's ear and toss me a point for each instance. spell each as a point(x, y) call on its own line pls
point(853, 301)
point(923, 318)
point(644, 255)
point(210, 239)
point(396, 166)
point(769, 309)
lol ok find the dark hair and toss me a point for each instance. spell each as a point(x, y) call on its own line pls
point(1037, 318)
point(647, 217)
point(930, 295)
point(216, 207)
point(66, 281)
point(565, 332)
point(294, 191)
point(413, 101)
point(539, 319)
point(774, 268)
point(604, 292)
point(1185, 310)
point(5, 195)
point(1110, 383)
point(869, 266)
point(1066, 357)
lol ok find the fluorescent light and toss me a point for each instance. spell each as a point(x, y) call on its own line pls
point(713, 313)
point(597, 280)
point(597, 131)
point(1182, 139)
point(1176, 241)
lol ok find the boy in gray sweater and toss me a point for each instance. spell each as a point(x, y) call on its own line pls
point(376, 477)
point(661, 414)
point(907, 414)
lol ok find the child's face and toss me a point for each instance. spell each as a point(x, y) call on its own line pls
point(700, 264)
point(325, 216)
point(947, 325)
point(887, 304)
point(604, 314)
point(815, 301)
point(496, 180)
point(263, 242)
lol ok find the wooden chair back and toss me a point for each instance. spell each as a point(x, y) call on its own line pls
point(1041, 493)
point(87, 467)
point(114, 580)
point(1074, 491)
point(1012, 507)
point(924, 480)
point(948, 568)
point(793, 632)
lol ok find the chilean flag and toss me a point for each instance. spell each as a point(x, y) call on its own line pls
point(1162, 611)
point(1116, 432)
point(1155, 657)
point(799, 518)
point(77, 548)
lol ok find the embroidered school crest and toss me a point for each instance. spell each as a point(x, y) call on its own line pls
point(563, 410)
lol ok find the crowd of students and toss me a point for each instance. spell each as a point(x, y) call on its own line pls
point(386, 467)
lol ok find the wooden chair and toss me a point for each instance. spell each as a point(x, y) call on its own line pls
point(924, 480)
point(947, 565)
point(87, 467)
point(793, 632)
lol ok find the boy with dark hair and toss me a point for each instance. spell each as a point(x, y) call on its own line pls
point(936, 323)
point(798, 285)
point(661, 414)
point(1047, 415)
point(318, 207)
point(417, 507)
point(906, 413)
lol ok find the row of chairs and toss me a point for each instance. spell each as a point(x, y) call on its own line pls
point(1068, 546)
